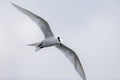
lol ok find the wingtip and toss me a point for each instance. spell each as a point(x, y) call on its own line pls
point(83, 76)
point(12, 3)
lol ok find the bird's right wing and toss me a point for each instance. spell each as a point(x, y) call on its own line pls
point(71, 55)
point(40, 22)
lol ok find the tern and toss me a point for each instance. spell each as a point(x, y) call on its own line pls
point(50, 40)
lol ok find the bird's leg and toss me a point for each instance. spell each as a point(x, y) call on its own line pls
point(40, 45)
point(60, 44)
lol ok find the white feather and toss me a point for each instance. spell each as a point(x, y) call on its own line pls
point(50, 40)
point(40, 22)
point(71, 55)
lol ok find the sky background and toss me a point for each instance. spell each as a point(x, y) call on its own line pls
point(90, 27)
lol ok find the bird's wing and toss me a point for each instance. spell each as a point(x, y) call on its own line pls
point(40, 22)
point(71, 55)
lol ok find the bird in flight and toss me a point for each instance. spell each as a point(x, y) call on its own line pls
point(50, 40)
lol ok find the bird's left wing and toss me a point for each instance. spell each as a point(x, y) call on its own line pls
point(44, 26)
point(71, 55)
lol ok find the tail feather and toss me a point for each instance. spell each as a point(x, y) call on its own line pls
point(37, 49)
point(36, 46)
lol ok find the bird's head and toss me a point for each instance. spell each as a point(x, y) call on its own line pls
point(59, 39)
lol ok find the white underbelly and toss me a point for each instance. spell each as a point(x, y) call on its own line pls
point(50, 42)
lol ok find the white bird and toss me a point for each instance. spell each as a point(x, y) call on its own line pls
point(50, 40)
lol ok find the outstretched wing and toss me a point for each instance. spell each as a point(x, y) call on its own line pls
point(40, 22)
point(71, 55)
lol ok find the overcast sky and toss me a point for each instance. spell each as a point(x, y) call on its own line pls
point(90, 27)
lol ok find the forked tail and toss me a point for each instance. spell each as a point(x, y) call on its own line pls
point(37, 46)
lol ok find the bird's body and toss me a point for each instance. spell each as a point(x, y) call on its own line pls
point(47, 42)
point(50, 40)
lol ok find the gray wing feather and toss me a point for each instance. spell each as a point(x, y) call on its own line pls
point(71, 55)
point(40, 22)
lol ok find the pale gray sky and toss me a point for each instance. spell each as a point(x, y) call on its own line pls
point(90, 27)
